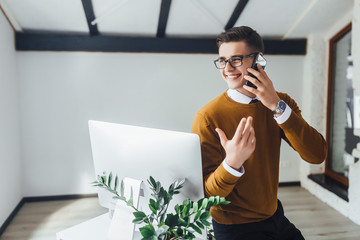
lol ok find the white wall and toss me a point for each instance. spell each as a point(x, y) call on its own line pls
point(10, 165)
point(354, 170)
point(316, 85)
point(61, 91)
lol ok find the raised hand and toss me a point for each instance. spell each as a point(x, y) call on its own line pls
point(241, 146)
point(265, 89)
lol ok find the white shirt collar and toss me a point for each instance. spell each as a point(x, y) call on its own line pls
point(239, 97)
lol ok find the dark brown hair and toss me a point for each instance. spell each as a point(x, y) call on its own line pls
point(243, 33)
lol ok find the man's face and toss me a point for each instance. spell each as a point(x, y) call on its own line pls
point(234, 76)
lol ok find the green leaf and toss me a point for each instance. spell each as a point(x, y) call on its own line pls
point(153, 203)
point(206, 223)
point(171, 220)
point(188, 219)
point(147, 231)
point(138, 220)
point(180, 232)
point(195, 206)
point(109, 179)
point(122, 188)
point(152, 209)
point(150, 238)
point(223, 201)
point(217, 200)
point(130, 203)
point(197, 215)
point(211, 201)
point(190, 235)
point(139, 214)
point(116, 182)
point(182, 221)
point(195, 228)
point(186, 202)
point(177, 209)
point(167, 197)
point(185, 210)
point(204, 203)
point(103, 179)
point(131, 194)
point(205, 215)
point(200, 225)
point(200, 202)
point(152, 181)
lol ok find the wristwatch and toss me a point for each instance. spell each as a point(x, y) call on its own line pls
point(280, 107)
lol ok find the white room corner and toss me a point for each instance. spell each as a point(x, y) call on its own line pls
point(10, 157)
point(315, 81)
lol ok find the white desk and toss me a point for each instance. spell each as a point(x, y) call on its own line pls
point(94, 229)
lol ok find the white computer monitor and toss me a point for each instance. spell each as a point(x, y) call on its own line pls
point(139, 152)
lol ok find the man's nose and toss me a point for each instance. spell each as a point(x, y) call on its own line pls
point(228, 66)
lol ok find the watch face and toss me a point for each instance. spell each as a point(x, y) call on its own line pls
point(282, 105)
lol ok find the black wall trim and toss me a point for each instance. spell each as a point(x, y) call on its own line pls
point(236, 14)
point(40, 199)
point(289, 184)
point(333, 186)
point(11, 217)
point(163, 18)
point(63, 42)
point(90, 16)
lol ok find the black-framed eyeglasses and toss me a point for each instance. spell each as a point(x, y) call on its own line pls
point(235, 61)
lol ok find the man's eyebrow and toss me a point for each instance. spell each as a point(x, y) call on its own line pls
point(231, 56)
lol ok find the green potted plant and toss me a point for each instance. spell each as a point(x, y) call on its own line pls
point(186, 219)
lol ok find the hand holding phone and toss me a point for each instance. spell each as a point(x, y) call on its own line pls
point(257, 59)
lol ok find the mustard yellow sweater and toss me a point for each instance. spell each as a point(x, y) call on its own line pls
point(253, 196)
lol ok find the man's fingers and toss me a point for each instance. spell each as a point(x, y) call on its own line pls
point(247, 129)
point(239, 130)
point(222, 136)
point(247, 125)
point(251, 137)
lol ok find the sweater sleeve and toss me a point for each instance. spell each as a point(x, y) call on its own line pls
point(306, 140)
point(217, 180)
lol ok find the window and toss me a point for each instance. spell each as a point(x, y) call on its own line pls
point(340, 112)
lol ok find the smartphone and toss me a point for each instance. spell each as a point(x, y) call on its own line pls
point(258, 59)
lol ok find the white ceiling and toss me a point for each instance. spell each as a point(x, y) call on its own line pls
point(187, 18)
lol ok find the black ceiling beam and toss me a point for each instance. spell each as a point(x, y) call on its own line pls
point(58, 42)
point(236, 14)
point(285, 47)
point(48, 42)
point(90, 16)
point(163, 18)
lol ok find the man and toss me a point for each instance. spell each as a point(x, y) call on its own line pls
point(240, 143)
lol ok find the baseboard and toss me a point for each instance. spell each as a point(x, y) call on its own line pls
point(290, 184)
point(40, 199)
point(11, 217)
point(58, 197)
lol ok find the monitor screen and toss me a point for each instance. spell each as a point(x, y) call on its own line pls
point(139, 152)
